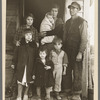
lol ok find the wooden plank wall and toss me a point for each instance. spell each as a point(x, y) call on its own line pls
point(12, 16)
point(12, 12)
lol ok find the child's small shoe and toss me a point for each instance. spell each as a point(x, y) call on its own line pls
point(30, 94)
point(19, 98)
point(76, 97)
point(46, 98)
point(8, 93)
point(57, 96)
point(25, 97)
point(38, 98)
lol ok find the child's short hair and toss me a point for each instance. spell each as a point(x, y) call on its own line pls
point(26, 16)
point(57, 40)
point(28, 31)
point(43, 48)
point(48, 13)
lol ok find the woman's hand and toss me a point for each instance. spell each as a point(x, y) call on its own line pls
point(42, 34)
point(48, 67)
point(79, 57)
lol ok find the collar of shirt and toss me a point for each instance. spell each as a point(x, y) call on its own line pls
point(28, 41)
point(57, 51)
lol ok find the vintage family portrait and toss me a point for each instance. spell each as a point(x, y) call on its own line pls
point(50, 50)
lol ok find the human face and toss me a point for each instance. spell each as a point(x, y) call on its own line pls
point(42, 54)
point(50, 18)
point(54, 12)
point(29, 20)
point(73, 11)
point(28, 36)
point(58, 46)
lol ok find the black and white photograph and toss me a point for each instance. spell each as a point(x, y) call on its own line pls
point(49, 50)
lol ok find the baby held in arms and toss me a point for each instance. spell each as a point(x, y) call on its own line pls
point(47, 24)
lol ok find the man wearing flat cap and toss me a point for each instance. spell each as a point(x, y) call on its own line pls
point(74, 35)
point(75, 40)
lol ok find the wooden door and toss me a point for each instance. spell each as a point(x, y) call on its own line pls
point(40, 7)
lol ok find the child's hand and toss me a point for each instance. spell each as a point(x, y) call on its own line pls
point(12, 66)
point(64, 71)
point(48, 67)
point(33, 77)
point(18, 43)
point(37, 44)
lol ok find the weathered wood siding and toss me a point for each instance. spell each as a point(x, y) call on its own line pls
point(12, 16)
point(12, 12)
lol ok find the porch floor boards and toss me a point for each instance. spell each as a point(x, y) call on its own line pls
point(63, 96)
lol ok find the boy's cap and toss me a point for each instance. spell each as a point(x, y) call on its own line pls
point(75, 5)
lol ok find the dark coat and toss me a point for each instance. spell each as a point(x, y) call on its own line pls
point(25, 54)
point(44, 78)
point(58, 22)
point(58, 31)
point(20, 33)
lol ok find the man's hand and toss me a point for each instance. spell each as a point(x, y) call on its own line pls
point(65, 65)
point(48, 67)
point(64, 71)
point(12, 66)
point(79, 57)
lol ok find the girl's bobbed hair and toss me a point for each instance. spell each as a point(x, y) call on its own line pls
point(43, 48)
point(29, 15)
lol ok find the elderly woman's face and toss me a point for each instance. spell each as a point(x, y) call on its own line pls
point(54, 12)
point(29, 20)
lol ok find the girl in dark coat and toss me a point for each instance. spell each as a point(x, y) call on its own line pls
point(44, 73)
point(24, 59)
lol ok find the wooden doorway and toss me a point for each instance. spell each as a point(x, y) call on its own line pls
point(40, 7)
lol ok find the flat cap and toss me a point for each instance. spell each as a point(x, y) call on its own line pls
point(75, 5)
